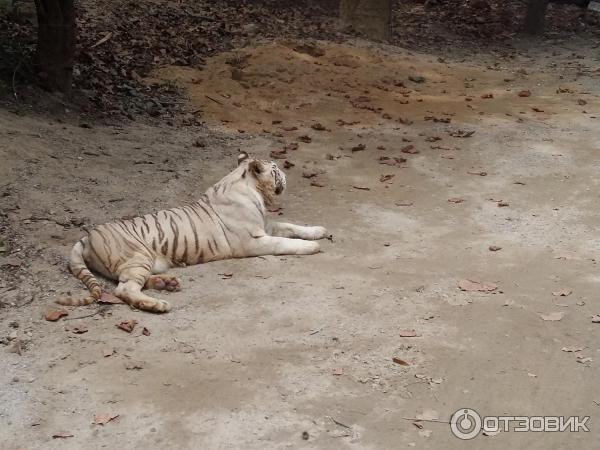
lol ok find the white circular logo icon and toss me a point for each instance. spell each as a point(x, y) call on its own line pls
point(465, 423)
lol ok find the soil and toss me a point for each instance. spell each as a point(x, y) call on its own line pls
point(418, 163)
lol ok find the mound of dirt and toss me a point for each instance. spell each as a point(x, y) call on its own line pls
point(279, 86)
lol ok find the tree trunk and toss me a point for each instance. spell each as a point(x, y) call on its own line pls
point(56, 43)
point(535, 19)
point(370, 17)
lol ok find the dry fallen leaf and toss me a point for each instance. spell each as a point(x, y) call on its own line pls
point(127, 325)
point(79, 329)
point(480, 173)
point(338, 371)
point(391, 161)
point(53, 316)
point(596, 318)
point(400, 361)
point(408, 333)
point(278, 154)
point(562, 293)
point(494, 248)
point(134, 365)
point(358, 148)
point(384, 178)
point(316, 183)
point(310, 174)
point(572, 349)
point(103, 419)
point(462, 133)
point(146, 331)
point(553, 316)
point(524, 93)
point(410, 149)
point(469, 286)
point(503, 204)
point(487, 96)
point(362, 188)
point(226, 275)
point(404, 203)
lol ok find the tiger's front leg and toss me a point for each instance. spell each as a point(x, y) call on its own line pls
point(275, 245)
point(289, 230)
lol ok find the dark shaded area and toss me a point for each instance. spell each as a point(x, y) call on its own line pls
point(56, 43)
point(373, 18)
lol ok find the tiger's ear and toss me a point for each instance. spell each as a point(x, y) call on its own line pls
point(255, 167)
point(243, 156)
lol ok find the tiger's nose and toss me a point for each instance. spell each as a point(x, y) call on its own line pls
point(278, 189)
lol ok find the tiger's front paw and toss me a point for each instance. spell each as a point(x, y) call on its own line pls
point(319, 233)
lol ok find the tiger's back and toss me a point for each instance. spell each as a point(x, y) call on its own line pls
point(176, 237)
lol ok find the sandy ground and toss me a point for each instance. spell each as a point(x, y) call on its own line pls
point(289, 345)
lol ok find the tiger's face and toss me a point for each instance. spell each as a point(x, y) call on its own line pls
point(270, 179)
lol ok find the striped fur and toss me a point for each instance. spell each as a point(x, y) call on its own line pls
point(228, 221)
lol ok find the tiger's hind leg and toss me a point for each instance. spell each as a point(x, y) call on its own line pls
point(131, 282)
point(163, 282)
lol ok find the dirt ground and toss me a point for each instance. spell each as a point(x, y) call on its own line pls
point(298, 352)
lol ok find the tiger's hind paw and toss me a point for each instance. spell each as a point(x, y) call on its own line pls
point(319, 233)
point(163, 283)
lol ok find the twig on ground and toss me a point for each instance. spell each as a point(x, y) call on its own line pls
point(339, 423)
point(414, 419)
point(214, 100)
point(14, 77)
point(100, 310)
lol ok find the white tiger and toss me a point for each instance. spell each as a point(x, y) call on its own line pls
point(228, 221)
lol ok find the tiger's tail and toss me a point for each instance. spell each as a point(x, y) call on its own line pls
point(80, 270)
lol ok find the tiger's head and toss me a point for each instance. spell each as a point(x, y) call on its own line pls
point(270, 179)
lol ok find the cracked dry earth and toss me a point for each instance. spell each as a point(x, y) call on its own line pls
point(298, 352)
